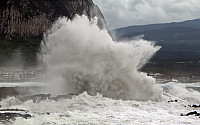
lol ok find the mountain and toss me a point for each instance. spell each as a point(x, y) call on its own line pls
point(180, 41)
point(123, 32)
point(22, 23)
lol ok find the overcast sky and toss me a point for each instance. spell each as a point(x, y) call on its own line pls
point(121, 13)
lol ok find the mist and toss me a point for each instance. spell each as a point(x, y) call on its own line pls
point(80, 57)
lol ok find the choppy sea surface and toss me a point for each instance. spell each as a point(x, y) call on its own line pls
point(98, 110)
point(80, 57)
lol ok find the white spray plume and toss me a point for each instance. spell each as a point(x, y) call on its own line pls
point(81, 57)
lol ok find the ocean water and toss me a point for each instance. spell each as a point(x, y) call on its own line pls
point(195, 88)
point(99, 110)
point(93, 80)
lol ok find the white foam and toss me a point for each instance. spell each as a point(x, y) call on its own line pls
point(98, 110)
point(179, 91)
point(81, 57)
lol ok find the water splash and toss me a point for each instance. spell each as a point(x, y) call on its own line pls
point(81, 57)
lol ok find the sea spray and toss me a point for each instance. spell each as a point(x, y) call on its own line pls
point(80, 57)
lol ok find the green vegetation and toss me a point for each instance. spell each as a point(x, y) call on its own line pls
point(26, 47)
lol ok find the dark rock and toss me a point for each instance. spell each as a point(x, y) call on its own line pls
point(4, 116)
point(12, 110)
point(172, 101)
point(23, 22)
point(9, 115)
point(30, 18)
point(195, 106)
point(192, 113)
point(198, 114)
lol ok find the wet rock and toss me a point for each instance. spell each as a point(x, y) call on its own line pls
point(12, 110)
point(194, 106)
point(172, 101)
point(9, 115)
point(45, 113)
point(191, 113)
point(5, 116)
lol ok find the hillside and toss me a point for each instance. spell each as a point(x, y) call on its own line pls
point(180, 41)
point(22, 23)
point(121, 32)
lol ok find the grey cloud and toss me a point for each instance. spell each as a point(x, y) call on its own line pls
point(120, 13)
